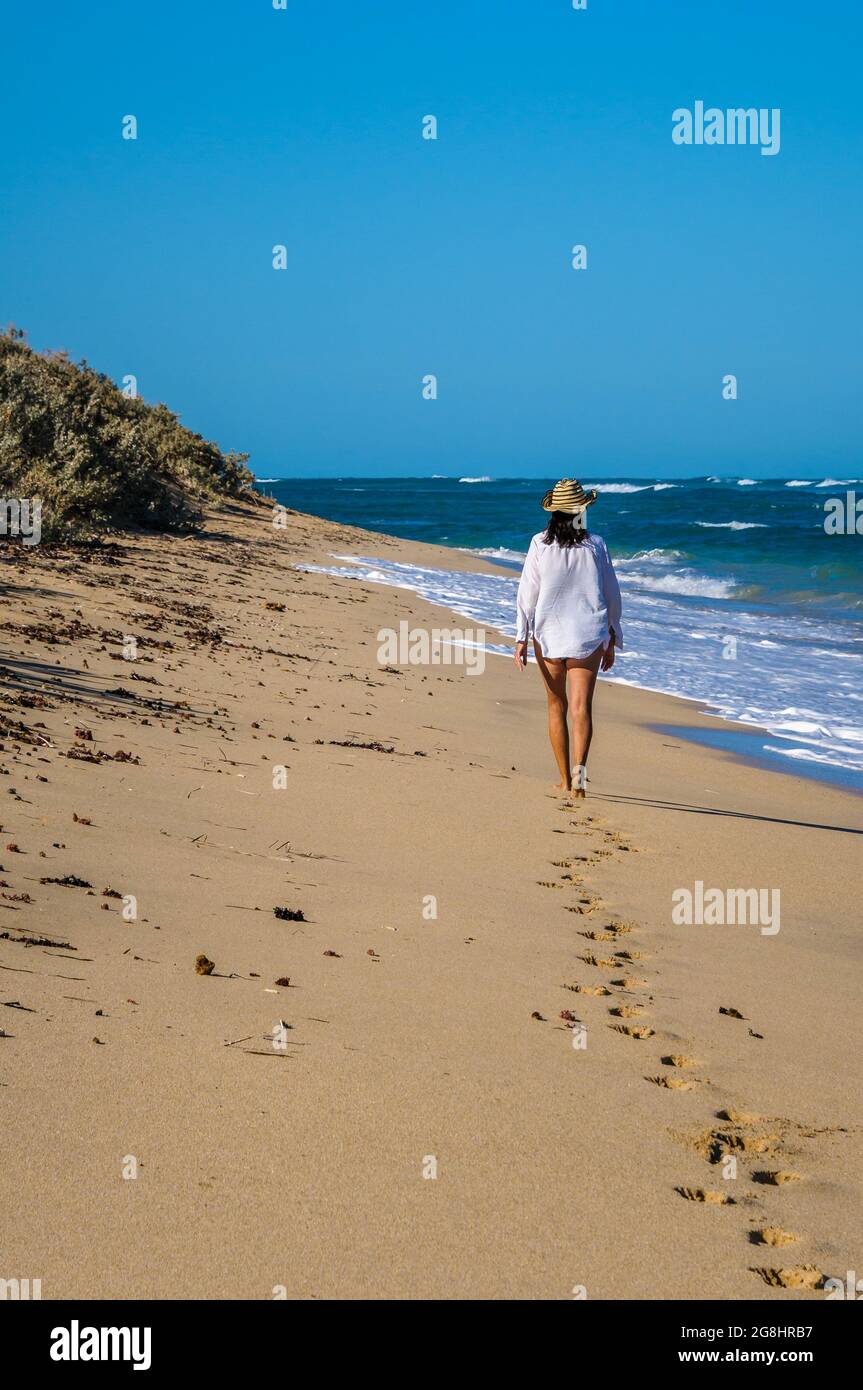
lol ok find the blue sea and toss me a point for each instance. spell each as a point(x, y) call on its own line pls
point(734, 594)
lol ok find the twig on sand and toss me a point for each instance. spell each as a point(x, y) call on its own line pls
point(258, 1052)
point(233, 761)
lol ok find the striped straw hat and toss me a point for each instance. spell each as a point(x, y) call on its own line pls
point(567, 496)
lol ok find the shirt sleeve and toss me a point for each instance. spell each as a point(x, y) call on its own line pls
point(528, 593)
point(613, 601)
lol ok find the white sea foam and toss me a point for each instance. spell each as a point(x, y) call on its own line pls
point(837, 482)
point(733, 525)
point(685, 584)
point(661, 557)
point(476, 480)
point(499, 552)
point(800, 482)
point(810, 706)
point(747, 482)
point(807, 755)
point(621, 487)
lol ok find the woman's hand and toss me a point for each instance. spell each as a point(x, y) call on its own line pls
point(608, 655)
point(520, 655)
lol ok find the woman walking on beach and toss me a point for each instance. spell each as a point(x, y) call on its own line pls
point(569, 603)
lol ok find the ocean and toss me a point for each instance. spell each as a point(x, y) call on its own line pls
point(734, 593)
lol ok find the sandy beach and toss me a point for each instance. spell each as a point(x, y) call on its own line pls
point(495, 1068)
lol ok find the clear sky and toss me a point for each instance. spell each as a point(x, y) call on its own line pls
point(408, 256)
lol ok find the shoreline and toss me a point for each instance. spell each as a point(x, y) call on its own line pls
point(719, 732)
point(409, 1036)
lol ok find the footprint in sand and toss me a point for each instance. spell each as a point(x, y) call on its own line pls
point(776, 1177)
point(679, 1059)
point(798, 1277)
point(676, 1083)
point(546, 883)
point(629, 982)
point(637, 1031)
point(588, 989)
point(601, 962)
point(627, 1010)
point(744, 1143)
point(701, 1194)
point(620, 846)
point(715, 1144)
point(772, 1235)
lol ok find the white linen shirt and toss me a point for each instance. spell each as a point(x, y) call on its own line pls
point(569, 598)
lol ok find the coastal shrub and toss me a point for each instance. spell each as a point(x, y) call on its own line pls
point(98, 459)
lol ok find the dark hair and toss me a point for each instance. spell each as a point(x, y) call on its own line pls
point(560, 528)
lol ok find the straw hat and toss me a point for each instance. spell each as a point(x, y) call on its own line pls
point(568, 496)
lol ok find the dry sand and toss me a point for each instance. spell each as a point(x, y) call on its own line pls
point(412, 1041)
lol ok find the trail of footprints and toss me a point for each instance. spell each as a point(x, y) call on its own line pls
point(754, 1141)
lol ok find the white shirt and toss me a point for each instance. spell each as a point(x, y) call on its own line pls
point(569, 598)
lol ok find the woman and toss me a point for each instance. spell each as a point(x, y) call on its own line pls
point(569, 602)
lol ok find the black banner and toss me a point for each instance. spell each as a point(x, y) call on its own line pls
point(267, 1337)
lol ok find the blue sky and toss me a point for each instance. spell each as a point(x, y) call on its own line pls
point(407, 257)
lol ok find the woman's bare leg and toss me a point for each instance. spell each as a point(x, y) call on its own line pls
point(581, 682)
point(554, 678)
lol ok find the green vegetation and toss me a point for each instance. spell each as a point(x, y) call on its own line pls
point(98, 459)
